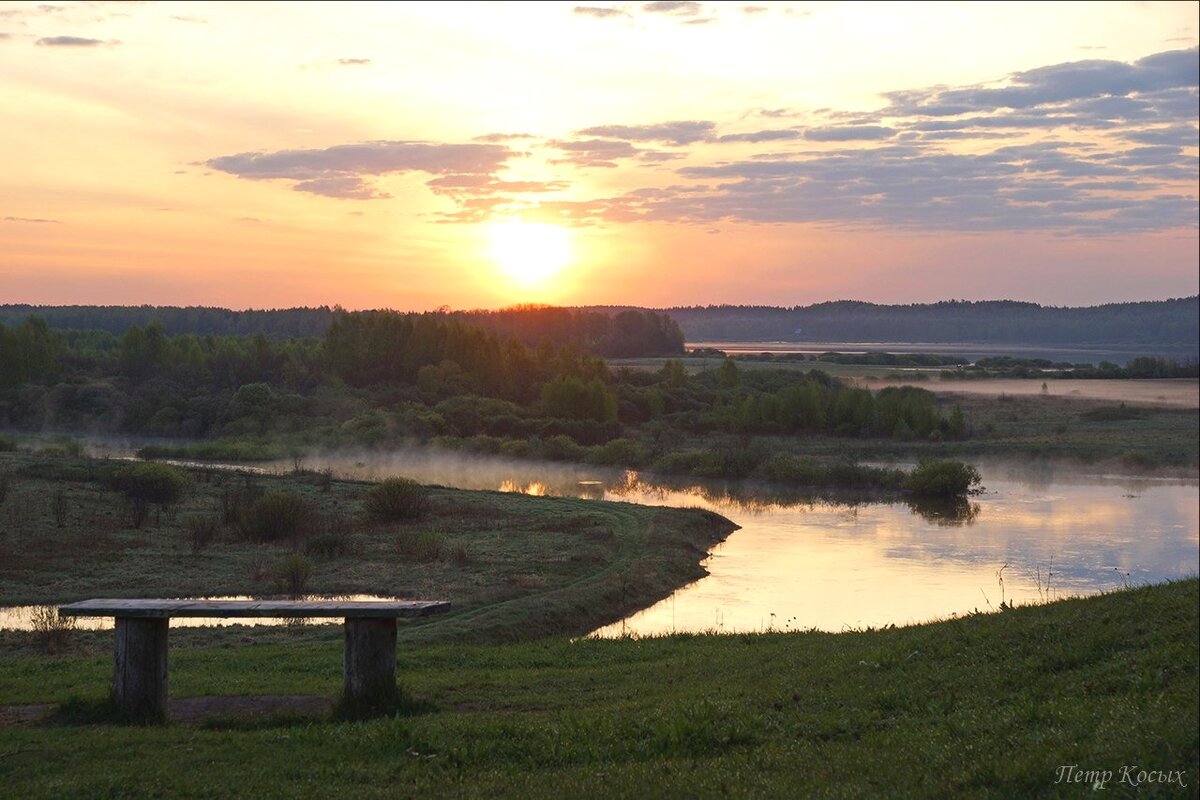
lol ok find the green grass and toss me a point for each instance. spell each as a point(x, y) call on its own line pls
point(982, 706)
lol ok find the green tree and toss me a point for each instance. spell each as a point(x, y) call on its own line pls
point(729, 375)
point(673, 373)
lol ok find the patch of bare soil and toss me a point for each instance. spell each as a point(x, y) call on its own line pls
point(195, 710)
point(24, 715)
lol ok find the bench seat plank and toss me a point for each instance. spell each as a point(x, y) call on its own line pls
point(157, 608)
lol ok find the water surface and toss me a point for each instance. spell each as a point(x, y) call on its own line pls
point(23, 618)
point(1039, 532)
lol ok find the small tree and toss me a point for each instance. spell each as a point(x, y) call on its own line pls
point(150, 484)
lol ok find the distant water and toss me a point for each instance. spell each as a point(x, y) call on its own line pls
point(969, 351)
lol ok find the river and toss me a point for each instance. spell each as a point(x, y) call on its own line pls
point(1036, 533)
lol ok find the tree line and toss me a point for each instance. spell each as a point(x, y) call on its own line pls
point(379, 378)
point(615, 333)
point(1173, 322)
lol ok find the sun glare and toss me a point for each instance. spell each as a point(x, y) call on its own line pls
point(529, 252)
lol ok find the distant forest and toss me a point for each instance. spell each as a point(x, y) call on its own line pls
point(612, 333)
point(1160, 322)
point(624, 331)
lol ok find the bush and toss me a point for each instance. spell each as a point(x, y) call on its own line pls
point(942, 479)
point(785, 467)
point(515, 448)
point(333, 540)
point(279, 515)
point(422, 546)
point(619, 452)
point(293, 573)
point(50, 629)
point(146, 484)
point(561, 448)
point(236, 502)
point(397, 499)
point(202, 531)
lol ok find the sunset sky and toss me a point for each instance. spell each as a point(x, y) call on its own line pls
point(412, 155)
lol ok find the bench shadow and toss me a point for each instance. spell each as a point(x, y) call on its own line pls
point(240, 712)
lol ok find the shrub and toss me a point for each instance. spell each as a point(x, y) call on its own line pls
point(236, 502)
point(333, 540)
point(7, 443)
point(279, 515)
point(50, 628)
point(293, 573)
point(942, 479)
point(62, 447)
point(421, 546)
point(785, 467)
point(146, 484)
point(561, 448)
point(619, 452)
point(397, 499)
point(515, 448)
point(459, 555)
point(202, 531)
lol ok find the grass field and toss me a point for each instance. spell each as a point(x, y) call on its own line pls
point(984, 706)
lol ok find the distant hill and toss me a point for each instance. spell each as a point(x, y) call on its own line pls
point(1173, 322)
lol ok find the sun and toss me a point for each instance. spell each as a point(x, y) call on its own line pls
point(531, 253)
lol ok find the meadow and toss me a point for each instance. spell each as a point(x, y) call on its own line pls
point(991, 705)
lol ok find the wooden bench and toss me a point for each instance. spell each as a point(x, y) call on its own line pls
point(140, 668)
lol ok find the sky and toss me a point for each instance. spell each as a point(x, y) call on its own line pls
point(478, 155)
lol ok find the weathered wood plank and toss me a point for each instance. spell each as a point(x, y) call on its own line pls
point(165, 608)
point(369, 664)
point(140, 668)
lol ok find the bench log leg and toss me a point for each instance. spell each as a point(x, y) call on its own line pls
point(369, 663)
point(140, 671)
